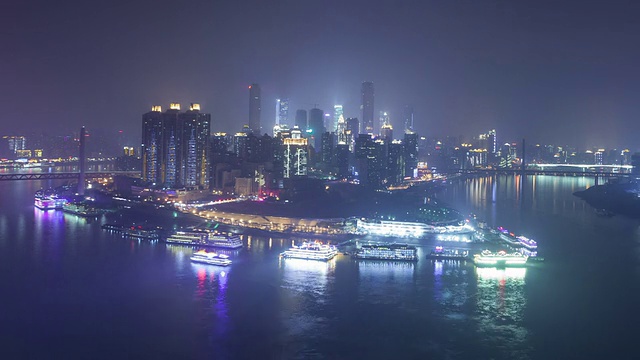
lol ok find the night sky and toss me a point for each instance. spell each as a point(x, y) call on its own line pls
point(553, 72)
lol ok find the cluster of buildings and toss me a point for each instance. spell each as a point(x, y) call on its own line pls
point(179, 151)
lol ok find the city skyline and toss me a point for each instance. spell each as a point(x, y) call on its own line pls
point(529, 70)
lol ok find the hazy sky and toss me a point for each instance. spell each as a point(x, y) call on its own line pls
point(552, 72)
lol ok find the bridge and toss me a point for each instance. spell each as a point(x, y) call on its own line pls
point(64, 175)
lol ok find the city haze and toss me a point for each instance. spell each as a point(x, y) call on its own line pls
point(550, 72)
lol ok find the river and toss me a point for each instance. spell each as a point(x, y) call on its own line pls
point(71, 290)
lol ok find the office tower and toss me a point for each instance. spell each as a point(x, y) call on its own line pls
point(371, 160)
point(341, 131)
point(82, 159)
point(338, 112)
point(383, 120)
point(254, 109)
point(407, 118)
point(395, 163)
point(301, 120)
point(386, 132)
point(282, 116)
point(240, 140)
point(283, 112)
point(327, 147)
point(295, 153)
point(328, 123)
point(152, 146)
point(194, 128)
point(175, 146)
point(367, 107)
point(410, 153)
point(352, 132)
point(342, 160)
point(316, 127)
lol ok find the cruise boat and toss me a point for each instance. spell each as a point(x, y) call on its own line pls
point(500, 259)
point(394, 251)
point(441, 253)
point(205, 238)
point(210, 258)
point(311, 251)
point(530, 244)
point(509, 237)
point(48, 200)
point(187, 238)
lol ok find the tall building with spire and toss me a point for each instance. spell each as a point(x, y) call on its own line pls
point(255, 109)
point(407, 118)
point(338, 112)
point(367, 107)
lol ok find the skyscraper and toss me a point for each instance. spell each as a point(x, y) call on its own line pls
point(301, 120)
point(316, 127)
point(407, 118)
point(295, 154)
point(410, 153)
point(338, 112)
point(254, 109)
point(175, 146)
point(352, 131)
point(383, 120)
point(367, 107)
point(282, 116)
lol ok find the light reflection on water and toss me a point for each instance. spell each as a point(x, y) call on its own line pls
point(500, 310)
point(385, 281)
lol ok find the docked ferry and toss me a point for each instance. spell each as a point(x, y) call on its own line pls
point(451, 254)
point(210, 258)
point(500, 259)
point(135, 232)
point(311, 251)
point(394, 251)
point(205, 238)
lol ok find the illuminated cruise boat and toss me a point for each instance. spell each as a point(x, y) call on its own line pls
point(508, 237)
point(400, 252)
point(441, 253)
point(528, 243)
point(311, 251)
point(407, 229)
point(205, 238)
point(47, 200)
point(210, 258)
point(500, 259)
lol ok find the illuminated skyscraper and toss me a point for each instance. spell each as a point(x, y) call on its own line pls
point(282, 116)
point(407, 118)
point(254, 109)
point(367, 107)
point(295, 154)
point(386, 132)
point(175, 146)
point(338, 112)
point(383, 120)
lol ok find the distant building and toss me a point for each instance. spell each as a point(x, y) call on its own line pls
point(255, 109)
point(295, 154)
point(410, 153)
point(367, 107)
point(395, 163)
point(352, 131)
point(383, 121)
point(316, 127)
point(338, 113)
point(327, 148)
point(407, 118)
point(386, 132)
point(175, 147)
point(282, 116)
point(301, 120)
point(342, 160)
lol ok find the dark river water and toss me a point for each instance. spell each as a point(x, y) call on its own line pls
point(69, 290)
